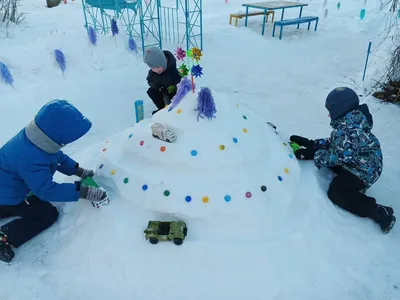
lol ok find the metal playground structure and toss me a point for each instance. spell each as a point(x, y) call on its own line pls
point(178, 22)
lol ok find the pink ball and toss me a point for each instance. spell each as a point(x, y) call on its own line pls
point(248, 194)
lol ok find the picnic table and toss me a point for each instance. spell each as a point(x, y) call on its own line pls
point(272, 5)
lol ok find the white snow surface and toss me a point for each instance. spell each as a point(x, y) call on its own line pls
point(289, 242)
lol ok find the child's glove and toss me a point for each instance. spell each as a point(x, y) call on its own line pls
point(305, 153)
point(83, 173)
point(92, 194)
point(302, 141)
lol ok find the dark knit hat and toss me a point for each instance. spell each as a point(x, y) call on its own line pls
point(154, 57)
point(340, 101)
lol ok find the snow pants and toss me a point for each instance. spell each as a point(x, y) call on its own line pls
point(35, 216)
point(157, 97)
point(345, 191)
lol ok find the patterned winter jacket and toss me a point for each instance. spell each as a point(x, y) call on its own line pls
point(353, 146)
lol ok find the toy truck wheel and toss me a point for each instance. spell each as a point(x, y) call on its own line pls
point(153, 241)
point(155, 136)
point(178, 241)
point(168, 141)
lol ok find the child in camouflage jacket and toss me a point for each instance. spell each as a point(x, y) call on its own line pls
point(354, 153)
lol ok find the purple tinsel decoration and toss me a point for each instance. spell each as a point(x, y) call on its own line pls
point(206, 104)
point(180, 54)
point(132, 45)
point(114, 27)
point(185, 86)
point(92, 35)
point(197, 71)
point(5, 74)
point(60, 58)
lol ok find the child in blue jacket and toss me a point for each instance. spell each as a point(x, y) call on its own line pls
point(27, 164)
point(354, 153)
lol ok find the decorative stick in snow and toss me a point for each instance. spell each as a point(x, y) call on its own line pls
point(184, 87)
point(132, 45)
point(114, 30)
point(206, 104)
point(92, 37)
point(60, 59)
point(5, 74)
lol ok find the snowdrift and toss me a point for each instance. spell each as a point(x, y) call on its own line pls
point(232, 169)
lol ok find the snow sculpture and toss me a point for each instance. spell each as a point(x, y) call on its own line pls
point(227, 169)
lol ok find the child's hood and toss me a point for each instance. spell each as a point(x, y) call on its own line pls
point(62, 122)
point(171, 60)
point(357, 118)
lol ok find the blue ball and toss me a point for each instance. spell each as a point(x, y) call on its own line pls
point(194, 152)
point(290, 155)
point(188, 199)
point(130, 135)
point(279, 178)
point(235, 140)
point(144, 187)
point(227, 198)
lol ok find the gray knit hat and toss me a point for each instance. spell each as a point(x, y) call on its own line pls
point(154, 57)
point(340, 101)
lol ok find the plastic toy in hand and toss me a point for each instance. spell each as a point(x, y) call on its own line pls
point(303, 148)
point(103, 199)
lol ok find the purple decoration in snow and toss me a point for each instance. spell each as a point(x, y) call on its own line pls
point(5, 74)
point(132, 45)
point(206, 104)
point(114, 27)
point(60, 59)
point(185, 86)
point(92, 35)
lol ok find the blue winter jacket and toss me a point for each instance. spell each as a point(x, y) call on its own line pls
point(353, 146)
point(29, 160)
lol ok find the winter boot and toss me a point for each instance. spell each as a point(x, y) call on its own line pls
point(383, 215)
point(6, 253)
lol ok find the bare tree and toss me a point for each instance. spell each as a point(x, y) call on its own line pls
point(9, 13)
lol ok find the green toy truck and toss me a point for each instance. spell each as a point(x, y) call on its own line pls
point(175, 231)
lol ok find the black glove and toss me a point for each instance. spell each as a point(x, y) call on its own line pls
point(83, 173)
point(302, 141)
point(305, 153)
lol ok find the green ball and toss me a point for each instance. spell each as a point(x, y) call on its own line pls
point(166, 193)
point(126, 180)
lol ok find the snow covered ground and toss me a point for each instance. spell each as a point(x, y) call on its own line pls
point(321, 252)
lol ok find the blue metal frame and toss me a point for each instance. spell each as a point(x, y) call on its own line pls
point(283, 7)
point(144, 21)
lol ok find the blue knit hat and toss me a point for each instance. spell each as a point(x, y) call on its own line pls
point(340, 101)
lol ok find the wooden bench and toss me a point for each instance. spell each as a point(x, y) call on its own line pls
point(240, 16)
point(297, 22)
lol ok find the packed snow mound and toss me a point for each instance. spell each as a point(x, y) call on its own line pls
point(232, 167)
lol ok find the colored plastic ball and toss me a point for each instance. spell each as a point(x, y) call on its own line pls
point(248, 194)
point(205, 199)
point(279, 178)
point(263, 188)
point(144, 187)
point(244, 130)
point(235, 140)
point(166, 193)
point(286, 170)
point(141, 143)
point(193, 152)
point(126, 180)
point(188, 198)
point(227, 198)
point(130, 135)
point(162, 149)
point(221, 147)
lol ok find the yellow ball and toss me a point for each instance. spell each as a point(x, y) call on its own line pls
point(286, 170)
point(113, 172)
point(179, 111)
point(244, 130)
point(221, 147)
point(205, 199)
